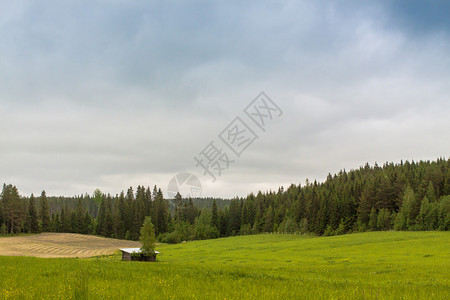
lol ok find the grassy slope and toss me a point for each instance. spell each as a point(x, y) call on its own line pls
point(380, 265)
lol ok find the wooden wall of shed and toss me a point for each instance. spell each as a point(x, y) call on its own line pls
point(143, 258)
point(126, 256)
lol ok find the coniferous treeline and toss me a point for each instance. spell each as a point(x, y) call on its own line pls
point(405, 196)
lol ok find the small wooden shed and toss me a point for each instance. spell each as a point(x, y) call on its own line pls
point(136, 254)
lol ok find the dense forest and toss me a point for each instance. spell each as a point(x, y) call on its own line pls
point(404, 196)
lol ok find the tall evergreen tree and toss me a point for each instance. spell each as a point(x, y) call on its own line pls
point(384, 219)
point(373, 219)
point(431, 193)
point(108, 225)
point(32, 218)
point(65, 218)
point(147, 236)
point(162, 213)
point(14, 208)
point(214, 215)
point(101, 219)
point(268, 220)
point(234, 224)
point(2, 214)
point(44, 212)
point(178, 206)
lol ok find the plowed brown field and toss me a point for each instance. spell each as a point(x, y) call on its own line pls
point(61, 245)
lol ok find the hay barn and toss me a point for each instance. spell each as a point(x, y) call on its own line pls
point(136, 254)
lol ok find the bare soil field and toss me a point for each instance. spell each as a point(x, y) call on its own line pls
point(61, 245)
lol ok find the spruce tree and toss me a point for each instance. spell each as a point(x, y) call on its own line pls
point(214, 215)
point(14, 208)
point(384, 219)
point(88, 224)
point(33, 223)
point(162, 213)
point(234, 224)
point(65, 218)
point(268, 220)
point(373, 219)
point(147, 237)
point(2, 216)
point(101, 219)
point(431, 194)
point(109, 226)
point(178, 206)
point(44, 213)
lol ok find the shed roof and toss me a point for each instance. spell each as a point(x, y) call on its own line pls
point(133, 250)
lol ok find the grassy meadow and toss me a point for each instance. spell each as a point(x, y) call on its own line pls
point(373, 265)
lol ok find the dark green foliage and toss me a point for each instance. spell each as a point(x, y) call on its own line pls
point(14, 209)
point(32, 223)
point(431, 194)
point(268, 220)
point(234, 216)
point(178, 206)
point(405, 196)
point(203, 228)
point(406, 217)
point(147, 237)
point(161, 212)
point(444, 213)
point(214, 215)
point(384, 219)
point(373, 219)
point(44, 214)
point(2, 216)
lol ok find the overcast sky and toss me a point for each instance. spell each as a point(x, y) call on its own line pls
point(112, 94)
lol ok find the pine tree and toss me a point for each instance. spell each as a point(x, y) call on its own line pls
point(148, 201)
point(444, 213)
point(88, 224)
point(120, 217)
point(234, 224)
point(79, 217)
point(139, 211)
point(129, 211)
point(384, 219)
point(101, 219)
point(65, 218)
point(162, 213)
point(223, 221)
point(2, 215)
point(214, 215)
point(97, 197)
point(56, 222)
point(268, 220)
point(178, 206)
point(373, 219)
point(431, 194)
point(44, 212)
point(108, 225)
point(406, 216)
point(14, 208)
point(427, 218)
point(32, 218)
point(147, 237)
point(410, 207)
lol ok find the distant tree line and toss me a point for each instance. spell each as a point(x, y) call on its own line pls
point(405, 196)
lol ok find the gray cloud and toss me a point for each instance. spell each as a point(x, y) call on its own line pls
point(115, 94)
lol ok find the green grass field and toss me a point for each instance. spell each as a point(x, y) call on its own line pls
point(374, 265)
